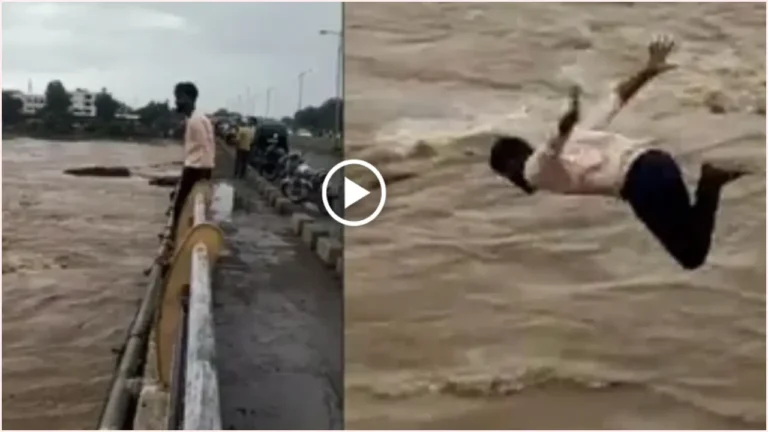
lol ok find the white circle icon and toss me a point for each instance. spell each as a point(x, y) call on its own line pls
point(353, 192)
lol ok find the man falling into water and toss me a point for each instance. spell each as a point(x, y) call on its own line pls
point(587, 160)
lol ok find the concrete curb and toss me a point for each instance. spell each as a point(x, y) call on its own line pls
point(329, 250)
point(315, 236)
point(311, 233)
point(298, 220)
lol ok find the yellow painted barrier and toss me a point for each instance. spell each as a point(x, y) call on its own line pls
point(193, 230)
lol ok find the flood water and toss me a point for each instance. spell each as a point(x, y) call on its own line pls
point(74, 249)
point(469, 305)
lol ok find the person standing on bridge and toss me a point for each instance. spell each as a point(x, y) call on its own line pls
point(199, 146)
point(244, 139)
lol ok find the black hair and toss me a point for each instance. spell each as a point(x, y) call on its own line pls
point(508, 148)
point(508, 157)
point(188, 89)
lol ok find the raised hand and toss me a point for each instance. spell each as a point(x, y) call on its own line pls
point(571, 117)
point(658, 51)
point(574, 94)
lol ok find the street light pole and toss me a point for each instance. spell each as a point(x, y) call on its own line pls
point(269, 94)
point(247, 106)
point(339, 81)
point(301, 86)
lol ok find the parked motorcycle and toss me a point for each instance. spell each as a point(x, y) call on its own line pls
point(304, 184)
point(298, 186)
point(268, 163)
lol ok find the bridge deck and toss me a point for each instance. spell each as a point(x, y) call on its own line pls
point(278, 318)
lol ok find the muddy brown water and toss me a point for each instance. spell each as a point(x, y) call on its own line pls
point(74, 249)
point(468, 305)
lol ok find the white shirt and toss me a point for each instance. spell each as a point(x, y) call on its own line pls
point(199, 142)
point(588, 162)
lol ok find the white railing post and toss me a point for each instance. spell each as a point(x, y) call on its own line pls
point(199, 211)
point(201, 390)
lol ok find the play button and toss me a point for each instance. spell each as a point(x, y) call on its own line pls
point(353, 193)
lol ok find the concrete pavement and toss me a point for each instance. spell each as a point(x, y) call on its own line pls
point(279, 324)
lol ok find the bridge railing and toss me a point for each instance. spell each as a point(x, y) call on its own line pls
point(178, 310)
point(126, 384)
point(201, 390)
point(185, 333)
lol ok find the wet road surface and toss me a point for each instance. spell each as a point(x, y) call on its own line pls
point(278, 323)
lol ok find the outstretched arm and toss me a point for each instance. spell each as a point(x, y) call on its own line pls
point(658, 51)
point(567, 122)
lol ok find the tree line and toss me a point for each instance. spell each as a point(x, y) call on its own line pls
point(321, 120)
point(155, 119)
point(318, 120)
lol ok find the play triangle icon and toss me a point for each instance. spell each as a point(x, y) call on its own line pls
point(353, 192)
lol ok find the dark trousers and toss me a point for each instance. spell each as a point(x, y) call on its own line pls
point(655, 189)
point(241, 163)
point(189, 176)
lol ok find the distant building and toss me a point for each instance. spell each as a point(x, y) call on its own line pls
point(31, 103)
point(303, 133)
point(124, 112)
point(83, 103)
point(127, 116)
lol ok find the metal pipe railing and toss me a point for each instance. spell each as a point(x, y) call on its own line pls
point(126, 384)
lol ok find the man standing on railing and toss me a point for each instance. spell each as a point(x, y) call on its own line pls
point(199, 146)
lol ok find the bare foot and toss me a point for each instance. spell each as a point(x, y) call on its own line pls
point(720, 176)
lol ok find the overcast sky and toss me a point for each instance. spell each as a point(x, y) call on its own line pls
point(138, 51)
